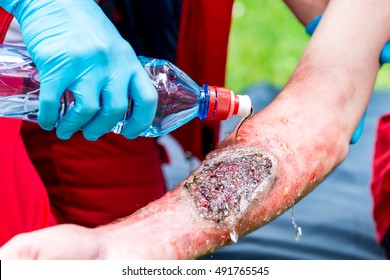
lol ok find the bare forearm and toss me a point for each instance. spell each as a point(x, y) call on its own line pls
point(280, 154)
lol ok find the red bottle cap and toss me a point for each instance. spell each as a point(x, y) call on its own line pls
point(224, 104)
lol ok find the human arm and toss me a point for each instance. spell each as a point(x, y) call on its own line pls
point(76, 47)
point(307, 129)
point(305, 133)
point(309, 13)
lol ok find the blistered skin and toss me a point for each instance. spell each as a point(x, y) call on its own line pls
point(226, 184)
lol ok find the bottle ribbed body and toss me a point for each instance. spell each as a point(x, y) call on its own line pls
point(180, 99)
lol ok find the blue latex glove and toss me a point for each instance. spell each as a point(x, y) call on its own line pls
point(76, 47)
point(385, 54)
point(385, 57)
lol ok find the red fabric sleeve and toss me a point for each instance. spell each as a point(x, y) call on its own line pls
point(24, 204)
point(91, 183)
point(5, 21)
point(380, 185)
point(202, 53)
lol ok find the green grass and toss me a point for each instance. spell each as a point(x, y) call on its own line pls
point(266, 43)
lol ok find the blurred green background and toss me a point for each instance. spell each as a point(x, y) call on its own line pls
point(266, 43)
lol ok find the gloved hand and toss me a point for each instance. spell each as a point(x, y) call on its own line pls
point(75, 47)
point(384, 58)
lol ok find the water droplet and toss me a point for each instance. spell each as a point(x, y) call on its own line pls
point(298, 233)
point(234, 235)
point(297, 229)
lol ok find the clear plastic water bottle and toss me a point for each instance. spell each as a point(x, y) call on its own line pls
point(180, 99)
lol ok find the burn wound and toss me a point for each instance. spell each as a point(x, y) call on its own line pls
point(229, 181)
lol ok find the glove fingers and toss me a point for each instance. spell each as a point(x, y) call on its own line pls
point(144, 98)
point(115, 103)
point(87, 103)
point(49, 103)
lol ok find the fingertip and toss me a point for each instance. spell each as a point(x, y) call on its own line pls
point(46, 126)
point(64, 136)
point(130, 136)
point(46, 118)
point(49, 104)
point(91, 137)
point(134, 128)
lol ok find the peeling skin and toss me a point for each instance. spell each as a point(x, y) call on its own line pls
point(228, 183)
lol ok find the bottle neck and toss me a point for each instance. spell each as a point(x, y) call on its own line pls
point(204, 102)
point(217, 103)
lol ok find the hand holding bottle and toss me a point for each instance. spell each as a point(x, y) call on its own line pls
point(75, 47)
point(180, 99)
